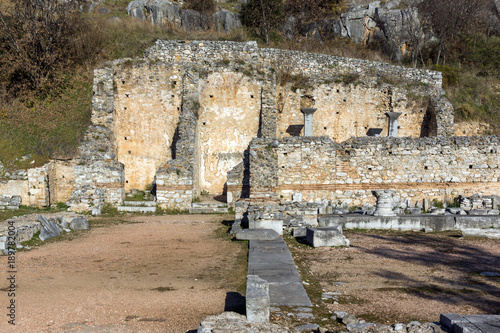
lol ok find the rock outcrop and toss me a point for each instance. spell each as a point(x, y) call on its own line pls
point(159, 12)
point(167, 13)
point(396, 29)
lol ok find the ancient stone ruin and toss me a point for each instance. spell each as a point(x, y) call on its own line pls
point(252, 124)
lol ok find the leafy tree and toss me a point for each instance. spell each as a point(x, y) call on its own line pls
point(263, 16)
point(39, 39)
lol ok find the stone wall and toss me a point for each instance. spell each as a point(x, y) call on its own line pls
point(440, 168)
point(61, 178)
point(182, 116)
point(228, 120)
point(175, 180)
point(99, 176)
point(31, 185)
point(346, 110)
point(147, 102)
point(473, 128)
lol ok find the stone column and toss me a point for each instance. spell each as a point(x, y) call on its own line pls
point(308, 120)
point(384, 203)
point(393, 123)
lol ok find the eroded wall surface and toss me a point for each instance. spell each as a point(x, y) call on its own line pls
point(228, 120)
point(61, 178)
point(351, 110)
point(147, 106)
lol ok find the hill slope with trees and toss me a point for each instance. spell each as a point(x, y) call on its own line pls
point(49, 48)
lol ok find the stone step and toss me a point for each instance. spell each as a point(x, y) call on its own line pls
point(140, 203)
point(209, 205)
point(208, 210)
point(136, 209)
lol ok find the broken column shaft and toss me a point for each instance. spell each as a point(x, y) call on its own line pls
point(308, 120)
point(393, 123)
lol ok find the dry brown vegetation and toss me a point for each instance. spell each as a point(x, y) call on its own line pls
point(45, 100)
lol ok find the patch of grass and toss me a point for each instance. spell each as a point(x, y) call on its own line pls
point(313, 287)
point(62, 206)
point(138, 196)
point(48, 127)
point(109, 210)
point(437, 203)
point(24, 210)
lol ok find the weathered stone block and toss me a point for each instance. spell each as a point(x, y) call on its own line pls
point(79, 223)
point(49, 228)
point(276, 225)
point(257, 299)
point(327, 236)
point(257, 234)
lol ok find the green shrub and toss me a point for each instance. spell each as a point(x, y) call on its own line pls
point(62, 205)
point(437, 203)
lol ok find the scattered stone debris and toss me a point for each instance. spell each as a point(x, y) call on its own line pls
point(12, 202)
point(49, 225)
point(230, 322)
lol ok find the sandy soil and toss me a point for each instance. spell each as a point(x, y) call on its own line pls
point(157, 274)
point(390, 277)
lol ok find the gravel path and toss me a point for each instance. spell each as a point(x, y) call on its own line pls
point(157, 274)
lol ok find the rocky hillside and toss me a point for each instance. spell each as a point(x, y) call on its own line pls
point(45, 95)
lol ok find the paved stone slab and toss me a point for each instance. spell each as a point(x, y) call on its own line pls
point(276, 225)
point(272, 261)
point(471, 324)
point(257, 234)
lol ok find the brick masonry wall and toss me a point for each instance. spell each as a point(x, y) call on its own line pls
point(441, 168)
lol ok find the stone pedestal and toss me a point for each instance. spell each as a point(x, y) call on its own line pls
point(384, 203)
point(326, 236)
point(393, 123)
point(308, 120)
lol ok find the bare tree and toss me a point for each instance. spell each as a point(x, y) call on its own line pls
point(451, 18)
point(37, 38)
point(263, 16)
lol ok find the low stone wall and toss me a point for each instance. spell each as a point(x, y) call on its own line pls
point(31, 185)
point(23, 228)
point(174, 187)
point(417, 169)
point(10, 202)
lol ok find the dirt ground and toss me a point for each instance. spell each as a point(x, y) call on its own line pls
point(391, 277)
point(151, 274)
point(167, 273)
